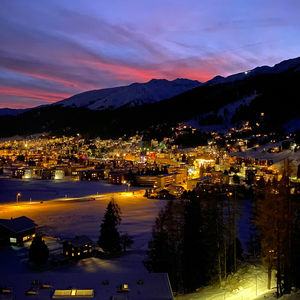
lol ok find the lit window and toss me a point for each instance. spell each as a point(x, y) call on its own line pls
point(72, 254)
point(13, 240)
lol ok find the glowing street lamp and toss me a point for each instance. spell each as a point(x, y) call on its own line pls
point(18, 196)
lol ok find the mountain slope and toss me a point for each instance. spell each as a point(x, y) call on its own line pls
point(10, 111)
point(276, 69)
point(275, 92)
point(135, 94)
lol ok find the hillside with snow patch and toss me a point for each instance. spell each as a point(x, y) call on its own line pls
point(132, 95)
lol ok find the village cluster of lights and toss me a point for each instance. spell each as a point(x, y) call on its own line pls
point(154, 164)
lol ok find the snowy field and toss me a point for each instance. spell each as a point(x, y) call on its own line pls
point(38, 189)
point(67, 218)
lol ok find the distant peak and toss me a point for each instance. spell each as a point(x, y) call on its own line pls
point(157, 80)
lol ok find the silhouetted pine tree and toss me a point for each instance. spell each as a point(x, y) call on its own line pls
point(38, 251)
point(193, 254)
point(164, 254)
point(298, 171)
point(274, 221)
point(295, 251)
point(109, 239)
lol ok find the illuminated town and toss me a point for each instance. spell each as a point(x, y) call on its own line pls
point(149, 150)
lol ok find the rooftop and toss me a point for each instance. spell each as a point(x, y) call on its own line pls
point(18, 224)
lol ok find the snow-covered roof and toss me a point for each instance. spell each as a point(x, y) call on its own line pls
point(265, 155)
point(18, 224)
point(146, 286)
point(79, 241)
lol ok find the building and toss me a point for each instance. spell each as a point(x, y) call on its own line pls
point(16, 231)
point(119, 287)
point(58, 174)
point(192, 183)
point(157, 181)
point(78, 247)
point(116, 177)
point(91, 174)
point(18, 173)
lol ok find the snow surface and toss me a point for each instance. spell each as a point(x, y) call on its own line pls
point(68, 217)
point(39, 190)
point(135, 94)
point(262, 153)
point(230, 108)
point(250, 282)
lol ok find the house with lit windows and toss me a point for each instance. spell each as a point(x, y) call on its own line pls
point(16, 231)
point(78, 247)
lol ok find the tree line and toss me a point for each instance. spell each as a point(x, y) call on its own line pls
point(194, 239)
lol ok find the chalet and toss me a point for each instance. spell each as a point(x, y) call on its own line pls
point(17, 230)
point(78, 247)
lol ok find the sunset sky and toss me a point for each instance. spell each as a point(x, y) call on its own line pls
point(50, 50)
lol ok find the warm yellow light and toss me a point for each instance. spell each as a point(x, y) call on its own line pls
point(127, 194)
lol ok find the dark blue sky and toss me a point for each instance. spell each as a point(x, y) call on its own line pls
point(50, 50)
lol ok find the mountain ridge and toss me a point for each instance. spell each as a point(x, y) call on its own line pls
point(110, 97)
point(272, 91)
point(134, 94)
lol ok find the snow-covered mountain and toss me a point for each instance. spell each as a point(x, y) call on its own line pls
point(11, 111)
point(132, 95)
point(283, 66)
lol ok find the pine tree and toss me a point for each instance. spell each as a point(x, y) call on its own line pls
point(164, 254)
point(194, 272)
point(274, 221)
point(295, 251)
point(38, 251)
point(298, 171)
point(109, 239)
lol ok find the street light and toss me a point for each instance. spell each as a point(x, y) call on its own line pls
point(17, 197)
